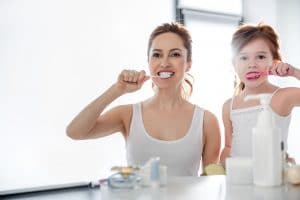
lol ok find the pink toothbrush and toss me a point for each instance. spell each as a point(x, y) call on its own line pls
point(258, 74)
point(265, 73)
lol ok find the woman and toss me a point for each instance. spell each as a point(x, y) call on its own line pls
point(165, 125)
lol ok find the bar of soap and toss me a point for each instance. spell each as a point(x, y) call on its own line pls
point(214, 169)
point(293, 174)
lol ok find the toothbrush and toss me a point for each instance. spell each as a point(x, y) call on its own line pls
point(265, 73)
point(257, 74)
point(162, 75)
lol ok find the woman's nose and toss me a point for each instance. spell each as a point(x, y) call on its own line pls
point(164, 63)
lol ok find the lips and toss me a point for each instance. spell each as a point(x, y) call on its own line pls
point(253, 75)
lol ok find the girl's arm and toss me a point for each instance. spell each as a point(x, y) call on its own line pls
point(287, 98)
point(284, 69)
point(296, 73)
point(91, 123)
point(228, 131)
point(212, 139)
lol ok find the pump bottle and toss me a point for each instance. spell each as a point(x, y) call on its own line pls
point(266, 146)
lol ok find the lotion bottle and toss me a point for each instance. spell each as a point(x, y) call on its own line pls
point(266, 146)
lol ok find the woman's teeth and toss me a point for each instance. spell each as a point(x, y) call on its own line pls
point(165, 74)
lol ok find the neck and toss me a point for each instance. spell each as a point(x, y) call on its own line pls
point(263, 88)
point(167, 99)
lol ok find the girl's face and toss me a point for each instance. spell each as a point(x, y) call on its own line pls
point(252, 63)
point(168, 55)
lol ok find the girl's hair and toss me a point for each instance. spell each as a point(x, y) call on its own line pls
point(248, 33)
point(183, 33)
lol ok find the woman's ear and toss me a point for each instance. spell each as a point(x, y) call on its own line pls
point(188, 67)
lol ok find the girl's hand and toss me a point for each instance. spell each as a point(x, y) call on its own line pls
point(131, 80)
point(282, 69)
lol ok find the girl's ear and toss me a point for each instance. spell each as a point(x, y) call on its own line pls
point(275, 61)
point(233, 61)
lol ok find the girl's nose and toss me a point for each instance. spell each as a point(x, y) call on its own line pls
point(252, 64)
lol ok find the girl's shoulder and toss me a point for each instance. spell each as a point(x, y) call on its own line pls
point(286, 93)
point(285, 99)
point(285, 90)
point(227, 102)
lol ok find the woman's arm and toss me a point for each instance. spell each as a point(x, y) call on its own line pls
point(212, 139)
point(228, 131)
point(91, 123)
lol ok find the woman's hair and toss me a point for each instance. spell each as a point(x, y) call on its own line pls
point(248, 33)
point(183, 33)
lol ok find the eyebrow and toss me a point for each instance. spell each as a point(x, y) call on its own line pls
point(160, 50)
point(263, 52)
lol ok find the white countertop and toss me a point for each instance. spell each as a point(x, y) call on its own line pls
point(177, 188)
point(206, 187)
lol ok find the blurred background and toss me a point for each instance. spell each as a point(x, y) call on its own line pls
point(56, 56)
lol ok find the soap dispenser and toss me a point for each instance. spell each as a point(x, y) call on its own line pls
point(266, 146)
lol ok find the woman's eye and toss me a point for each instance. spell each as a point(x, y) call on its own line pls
point(155, 55)
point(175, 54)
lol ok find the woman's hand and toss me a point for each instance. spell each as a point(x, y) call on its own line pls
point(131, 80)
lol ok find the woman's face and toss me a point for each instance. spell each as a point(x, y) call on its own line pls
point(252, 63)
point(168, 55)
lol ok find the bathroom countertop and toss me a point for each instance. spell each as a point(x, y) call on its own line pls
point(205, 187)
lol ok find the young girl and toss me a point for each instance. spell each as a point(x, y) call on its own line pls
point(255, 56)
point(166, 125)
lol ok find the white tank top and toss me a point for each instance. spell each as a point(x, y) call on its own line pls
point(243, 120)
point(181, 156)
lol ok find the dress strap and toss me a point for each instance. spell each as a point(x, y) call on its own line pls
point(275, 92)
point(231, 107)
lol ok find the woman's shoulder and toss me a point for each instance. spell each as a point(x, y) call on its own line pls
point(123, 110)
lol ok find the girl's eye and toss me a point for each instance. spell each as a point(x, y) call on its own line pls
point(261, 57)
point(243, 58)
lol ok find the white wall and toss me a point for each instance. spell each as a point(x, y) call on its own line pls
point(256, 11)
point(55, 57)
point(284, 16)
point(288, 20)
